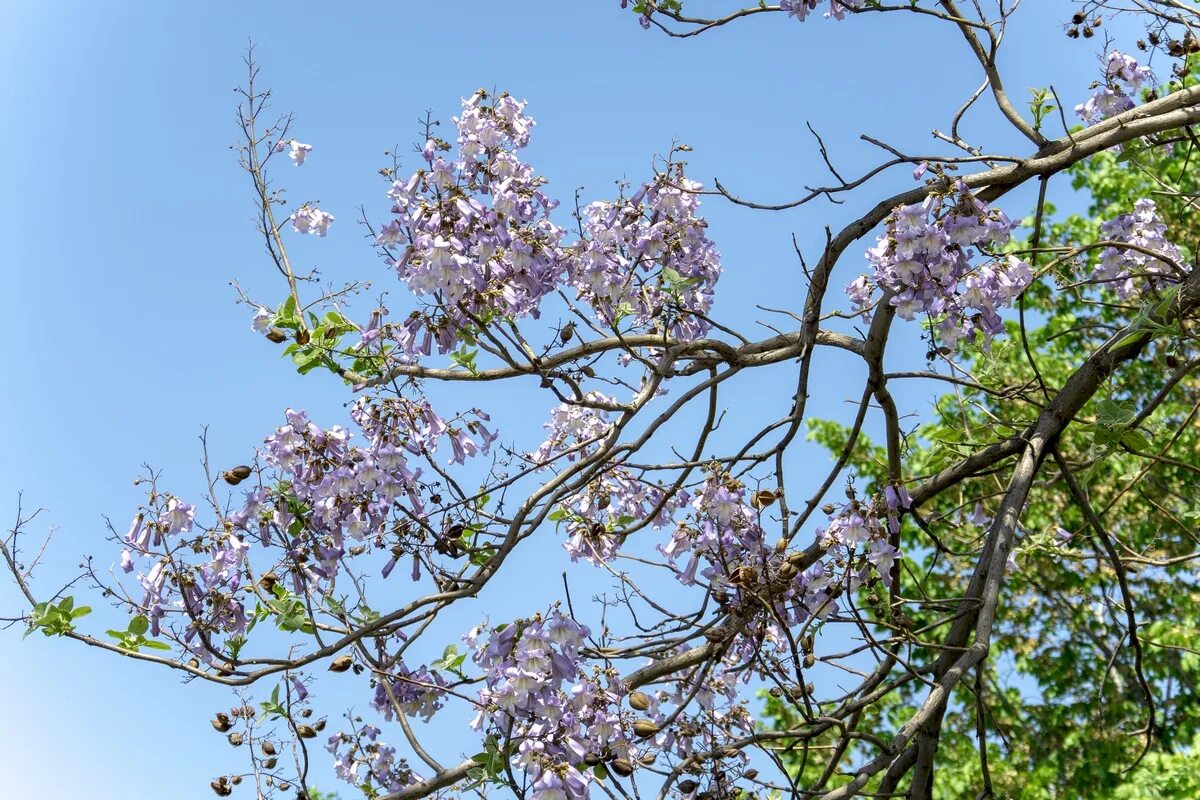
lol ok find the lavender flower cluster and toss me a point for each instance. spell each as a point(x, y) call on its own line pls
point(924, 262)
point(1123, 77)
point(474, 234)
point(322, 500)
point(799, 9)
point(1120, 266)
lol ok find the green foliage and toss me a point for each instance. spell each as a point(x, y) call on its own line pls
point(1062, 702)
point(134, 638)
point(56, 620)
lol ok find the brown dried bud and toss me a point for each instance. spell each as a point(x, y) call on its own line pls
point(1088, 32)
point(341, 663)
point(639, 701)
point(221, 722)
point(236, 780)
point(235, 739)
point(751, 774)
point(306, 731)
point(688, 786)
point(621, 766)
point(302, 336)
point(644, 728)
point(268, 748)
point(221, 787)
point(566, 332)
point(276, 335)
point(319, 725)
point(270, 763)
point(592, 759)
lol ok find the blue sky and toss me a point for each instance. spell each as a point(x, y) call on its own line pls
point(128, 218)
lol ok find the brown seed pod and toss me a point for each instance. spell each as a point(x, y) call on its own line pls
point(319, 725)
point(763, 498)
point(639, 701)
point(276, 335)
point(236, 475)
point(341, 663)
point(592, 759)
point(270, 763)
point(221, 722)
point(788, 570)
point(751, 774)
point(796, 559)
point(644, 728)
point(268, 581)
point(306, 731)
point(235, 739)
point(688, 786)
point(221, 787)
point(621, 766)
point(302, 336)
point(268, 748)
point(809, 660)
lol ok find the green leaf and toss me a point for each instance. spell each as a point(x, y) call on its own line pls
point(139, 625)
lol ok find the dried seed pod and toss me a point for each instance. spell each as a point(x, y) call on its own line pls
point(788, 570)
point(306, 731)
point(302, 336)
point(566, 332)
point(235, 739)
point(276, 335)
point(268, 748)
point(751, 774)
point(796, 559)
point(621, 766)
point(221, 787)
point(644, 728)
point(221, 722)
point(809, 660)
point(592, 759)
point(761, 499)
point(319, 725)
point(341, 663)
point(688, 786)
point(639, 701)
point(270, 763)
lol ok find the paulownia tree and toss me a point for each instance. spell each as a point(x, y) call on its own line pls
point(1040, 515)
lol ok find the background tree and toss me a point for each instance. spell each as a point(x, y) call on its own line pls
point(878, 626)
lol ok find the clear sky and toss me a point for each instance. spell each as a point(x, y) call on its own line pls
point(127, 218)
